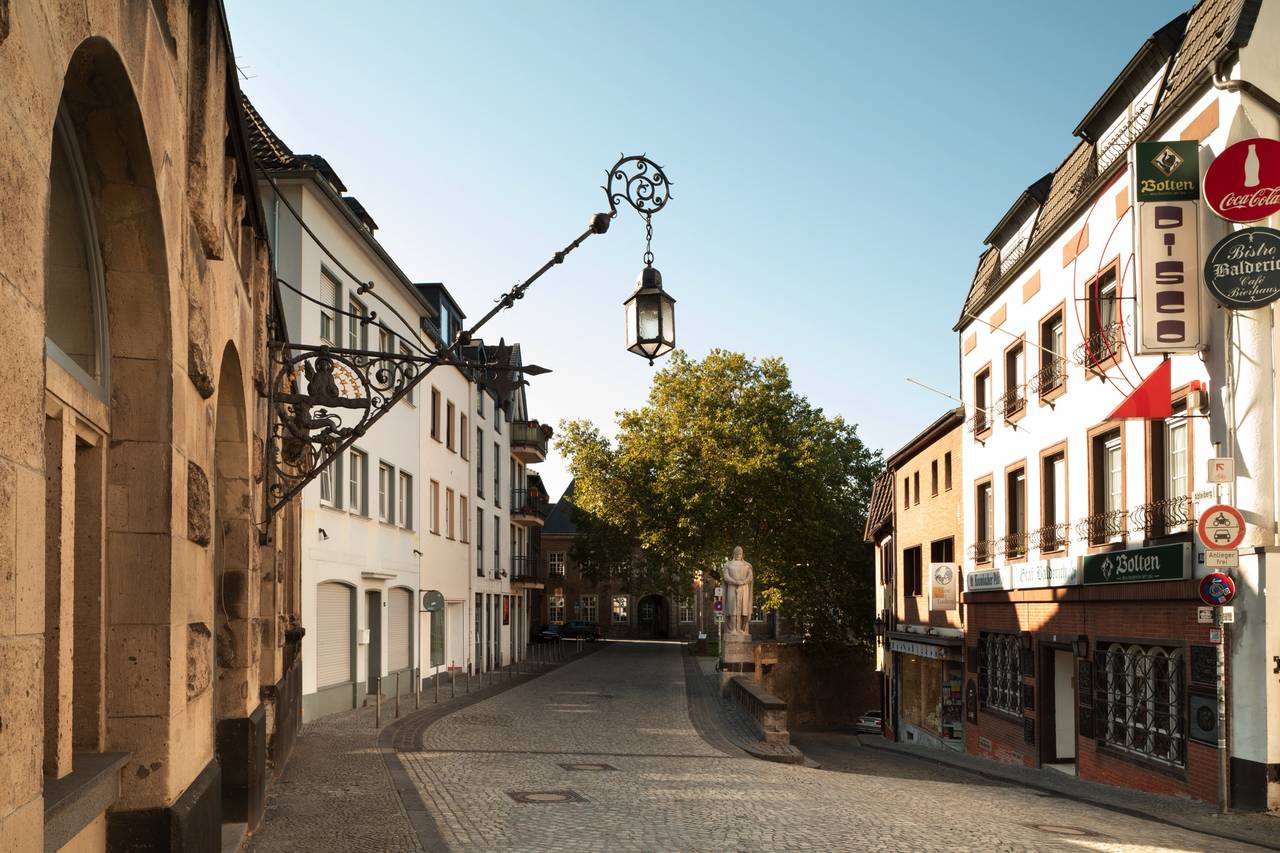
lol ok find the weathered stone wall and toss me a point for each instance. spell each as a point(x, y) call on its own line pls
point(827, 690)
point(186, 280)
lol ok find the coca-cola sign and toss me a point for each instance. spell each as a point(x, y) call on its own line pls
point(1243, 270)
point(1243, 182)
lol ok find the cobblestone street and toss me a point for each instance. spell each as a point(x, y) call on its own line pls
point(602, 755)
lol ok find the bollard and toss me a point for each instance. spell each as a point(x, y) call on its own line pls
point(377, 708)
point(417, 690)
point(397, 695)
point(468, 679)
point(435, 682)
point(453, 682)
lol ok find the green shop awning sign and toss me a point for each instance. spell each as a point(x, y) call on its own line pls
point(1159, 563)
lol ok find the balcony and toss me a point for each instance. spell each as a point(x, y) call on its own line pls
point(1013, 546)
point(983, 551)
point(525, 572)
point(1049, 378)
point(1101, 346)
point(979, 422)
point(1051, 538)
point(1167, 517)
point(1103, 527)
point(528, 442)
point(528, 507)
point(1012, 402)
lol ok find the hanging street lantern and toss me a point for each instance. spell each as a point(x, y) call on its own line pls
point(651, 317)
point(651, 311)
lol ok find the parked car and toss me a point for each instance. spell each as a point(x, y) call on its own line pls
point(870, 722)
point(548, 634)
point(580, 629)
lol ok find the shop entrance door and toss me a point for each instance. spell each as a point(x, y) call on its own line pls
point(1058, 735)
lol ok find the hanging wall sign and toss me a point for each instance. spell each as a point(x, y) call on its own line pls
point(1158, 563)
point(1243, 182)
point(1168, 171)
point(1168, 293)
point(1243, 270)
point(944, 583)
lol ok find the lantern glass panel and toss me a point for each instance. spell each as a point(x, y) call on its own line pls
point(650, 313)
point(668, 319)
point(631, 322)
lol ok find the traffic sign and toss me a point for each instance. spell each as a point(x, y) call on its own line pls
point(1204, 615)
point(1222, 559)
point(1217, 589)
point(1221, 527)
point(719, 605)
point(1222, 469)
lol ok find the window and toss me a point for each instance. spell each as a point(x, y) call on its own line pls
point(356, 483)
point(448, 426)
point(912, 574)
point(886, 561)
point(412, 396)
point(329, 295)
point(1107, 519)
point(386, 477)
point(1053, 502)
point(686, 610)
point(906, 493)
point(464, 519)
point(1000, 672)
point(555, 609)
point(435, 507)
point(915, 486)
point(646, 611)
point(328, 475)
point(621, 610)
point(448, 513)
point(1015, 541)
point(943, 550)
point(497, 546)
point(479, 542)
point(435, 413)
point(1014, 398)
point(480, 462)
point(497, 418)
point(946, 471)
point(933, 477)
point(357, 325)
point(1053, 352)
point(982, 400)
point(497, 475)
point(1169, 505)
point(587, 608)
point(1142, 705)
point(984, 522)
point(405, 500)
point(463, 434)
point(757, 608)
point(555, 563)
point(1103, 322)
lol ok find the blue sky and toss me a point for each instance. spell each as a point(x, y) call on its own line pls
point(835, 167)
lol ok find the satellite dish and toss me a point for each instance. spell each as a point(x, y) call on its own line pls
point(432, 601)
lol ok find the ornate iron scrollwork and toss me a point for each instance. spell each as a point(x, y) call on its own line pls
point(639, 182)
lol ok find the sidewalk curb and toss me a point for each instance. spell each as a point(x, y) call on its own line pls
point(1074, 797)
point(392, 741)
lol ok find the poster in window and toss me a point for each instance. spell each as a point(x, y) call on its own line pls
point(506, 610)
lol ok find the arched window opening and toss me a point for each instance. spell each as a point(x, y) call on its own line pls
point(74, 295)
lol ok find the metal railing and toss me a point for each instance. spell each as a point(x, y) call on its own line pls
point(979, 421)
point(983, 551)
point(1050, 377)
point(1163, 517)
point(1012, 401)
point(523, 568)
point(528, 502)
point(1050, 538)
point(1102, 527)
point(529, 434)
point(1103, 344)
point(1012, 545)
point(1016, 251)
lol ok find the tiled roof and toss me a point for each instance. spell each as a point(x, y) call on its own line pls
point(560, 520)
point(1214, 26)
point(880, 509)
point(268, 149)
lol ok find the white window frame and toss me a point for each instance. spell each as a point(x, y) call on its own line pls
point(386, 492)
point(620, 607)
point(686, 610)
point(404, 501)
point(357, 329)
point(357, 483)
point(587, 608)
point(556, 563)
point(555, 609)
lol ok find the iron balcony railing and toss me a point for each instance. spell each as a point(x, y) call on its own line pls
point(1102, 527)
point(529, 434)
point(1101, 345)
point(1012, 545)
point(1050, 538)
point(1163, 517)
point(1017, 250)
point(524, 568)
point(1012, 401)
point(528, 502)
point(1050, 377)
point(979, 421)
point(983, 551)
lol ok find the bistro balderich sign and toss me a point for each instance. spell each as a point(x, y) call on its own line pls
point(1243, 270)
point(1159, 563)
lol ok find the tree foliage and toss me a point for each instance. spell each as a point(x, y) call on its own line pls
point(725, 453)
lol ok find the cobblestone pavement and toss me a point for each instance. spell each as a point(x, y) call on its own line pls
point(601, 755)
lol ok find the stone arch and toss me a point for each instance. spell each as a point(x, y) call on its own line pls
point(653, 616)
point(232, 543)
point(99, 108)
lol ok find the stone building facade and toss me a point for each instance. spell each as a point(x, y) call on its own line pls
point(147, 669)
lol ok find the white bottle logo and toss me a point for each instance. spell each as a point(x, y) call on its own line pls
point(1251, 167)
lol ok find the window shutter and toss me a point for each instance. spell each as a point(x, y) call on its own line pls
point(398, 633)
point(333, 634)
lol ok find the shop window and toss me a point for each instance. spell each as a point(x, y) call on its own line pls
point(912, 581)
point(1143, 700)
point(1000, 672)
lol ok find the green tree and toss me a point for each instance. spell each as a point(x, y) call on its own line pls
point(724, 453)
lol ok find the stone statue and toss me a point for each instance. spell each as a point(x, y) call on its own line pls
point(737, 594)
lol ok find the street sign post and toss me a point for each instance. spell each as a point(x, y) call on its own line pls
point(1221, 527)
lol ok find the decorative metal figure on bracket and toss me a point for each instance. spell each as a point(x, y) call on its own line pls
point(323, 398)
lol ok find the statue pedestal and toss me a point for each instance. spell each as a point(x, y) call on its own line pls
point(737, 657)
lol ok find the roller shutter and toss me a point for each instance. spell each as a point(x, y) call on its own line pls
point(398, 633)
point(333, 634)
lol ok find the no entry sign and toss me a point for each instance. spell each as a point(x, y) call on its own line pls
point(1222, 527)
point(1243, 182)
